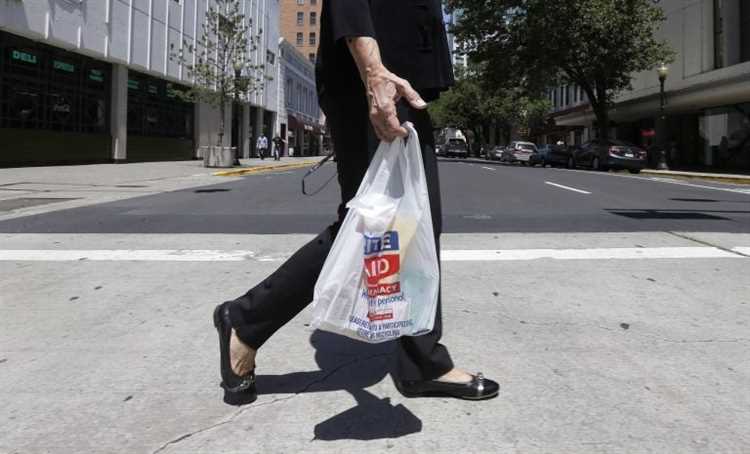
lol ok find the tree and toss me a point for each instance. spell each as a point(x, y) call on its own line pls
point(220, 64)
point(478, 105)
point(595, 44)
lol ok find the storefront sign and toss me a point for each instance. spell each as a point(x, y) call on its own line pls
point(96, 75)
point(62, 66)
point(153, 89)
point(648, 133)
point(133, 84)
point(23, 56)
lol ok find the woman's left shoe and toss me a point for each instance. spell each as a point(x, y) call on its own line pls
point(479, 388)
point(238, 389)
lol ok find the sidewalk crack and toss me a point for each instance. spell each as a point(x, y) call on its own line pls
point(706, 243)
point(243, 410)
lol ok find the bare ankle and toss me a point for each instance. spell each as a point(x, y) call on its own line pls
point(241, 356)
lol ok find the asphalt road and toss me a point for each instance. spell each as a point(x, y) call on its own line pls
point(477, 197)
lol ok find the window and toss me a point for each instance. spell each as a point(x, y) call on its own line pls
point(154, 109)
point(300, 39)
point(47, 88)
point(300, 18)
point(312, 38)
point(300, 2)
point(311, 56)
point(313, 18)
point(313, 2)
point(270, 57)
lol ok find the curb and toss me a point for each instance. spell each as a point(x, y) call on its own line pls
point(709, 177)
point(264, 168)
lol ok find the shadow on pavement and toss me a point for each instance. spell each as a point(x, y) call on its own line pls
point(351, 366)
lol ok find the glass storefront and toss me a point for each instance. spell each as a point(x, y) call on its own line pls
point(154, 110)
point(725, 132)
point(42, 87)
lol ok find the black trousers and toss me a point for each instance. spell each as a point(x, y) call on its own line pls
point(275, 301)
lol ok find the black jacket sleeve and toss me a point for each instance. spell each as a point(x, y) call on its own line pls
point(350, 18)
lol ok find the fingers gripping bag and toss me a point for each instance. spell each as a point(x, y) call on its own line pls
point(380, 280)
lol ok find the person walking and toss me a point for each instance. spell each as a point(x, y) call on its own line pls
point(375, 70)
point(278, 142)
point(262, 145)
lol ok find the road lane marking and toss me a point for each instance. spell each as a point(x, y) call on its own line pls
point(566, 187)
point(451, 255)
point(488, 168)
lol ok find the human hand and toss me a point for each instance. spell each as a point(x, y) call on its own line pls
point(384, 90)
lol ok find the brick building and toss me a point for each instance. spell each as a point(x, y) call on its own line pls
point(300, 25)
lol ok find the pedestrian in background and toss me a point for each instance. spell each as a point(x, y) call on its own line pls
point(362, 41)
point(278, 142)
point(262, 146)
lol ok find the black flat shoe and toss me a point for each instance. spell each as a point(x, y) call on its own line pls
point(479, 388)
point(238, 390)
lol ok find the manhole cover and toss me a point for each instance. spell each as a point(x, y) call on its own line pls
point(25, 202)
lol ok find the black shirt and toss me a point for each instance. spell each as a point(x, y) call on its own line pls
point(410, 34)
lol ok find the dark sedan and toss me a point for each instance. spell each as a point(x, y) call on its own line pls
point(553, 155)
point(610, 154)
point(496, 153)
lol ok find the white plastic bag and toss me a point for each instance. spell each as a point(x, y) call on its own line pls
point(381, 278)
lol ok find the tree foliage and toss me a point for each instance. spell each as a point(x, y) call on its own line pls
point(220, 63)
point(476, 104)
point(595, 44)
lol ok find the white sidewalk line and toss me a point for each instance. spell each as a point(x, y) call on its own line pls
point(488, 168)
point(586, 254)
point(189, 255)
point(700, 186)
point(566, 187)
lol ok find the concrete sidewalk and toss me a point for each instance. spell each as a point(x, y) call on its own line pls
point(33, 190)
point(625, 356)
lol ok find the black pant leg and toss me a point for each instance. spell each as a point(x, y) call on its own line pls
point(274, 302)
point(424, 357)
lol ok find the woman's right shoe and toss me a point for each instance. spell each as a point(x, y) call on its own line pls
point(238, 389)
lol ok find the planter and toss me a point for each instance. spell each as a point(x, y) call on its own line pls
point(222, 157)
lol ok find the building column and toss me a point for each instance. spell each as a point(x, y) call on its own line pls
point(119, 113)
point(245, 135)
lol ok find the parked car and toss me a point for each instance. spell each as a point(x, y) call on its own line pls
point(496, 153)
point(519, 152)
point(610, 154)
point(454, 147)
point(553, 155)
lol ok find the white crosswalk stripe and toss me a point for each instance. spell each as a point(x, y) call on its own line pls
point(455, 255)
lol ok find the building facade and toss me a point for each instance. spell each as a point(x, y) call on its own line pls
point(707, 90)
point(300, 25)
point(94, 81)
point(300, 119)
point(458, 56)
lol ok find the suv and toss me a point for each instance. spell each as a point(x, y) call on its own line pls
point(454, 147)
point(519, 152)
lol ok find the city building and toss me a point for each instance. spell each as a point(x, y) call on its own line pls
point(300, 30)
point(707, 90)
point(94, 82)
point(299, 121)
point(458, 56)
point(300, 25)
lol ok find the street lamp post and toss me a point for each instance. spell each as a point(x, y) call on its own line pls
point(663, 72)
